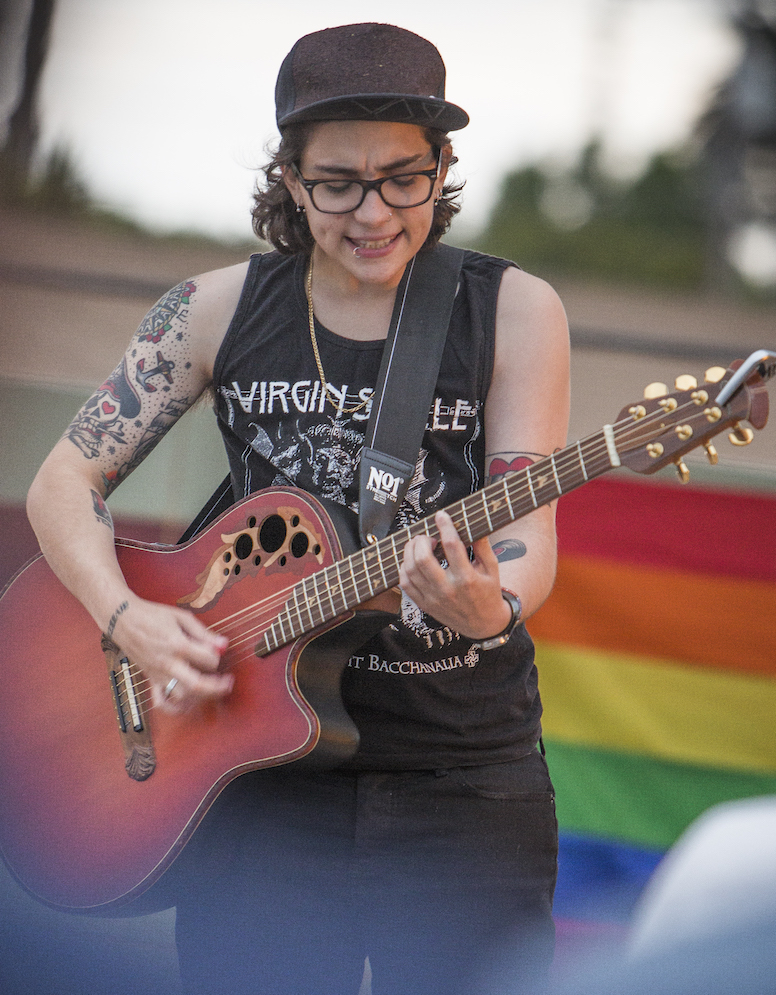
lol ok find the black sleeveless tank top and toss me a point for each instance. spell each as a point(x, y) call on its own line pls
point(421, 695)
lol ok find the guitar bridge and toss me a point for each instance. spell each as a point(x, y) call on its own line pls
point(135, 735)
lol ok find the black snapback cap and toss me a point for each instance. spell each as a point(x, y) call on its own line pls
point(365, 72)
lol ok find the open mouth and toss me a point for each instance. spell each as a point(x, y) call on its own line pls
point(367, 246)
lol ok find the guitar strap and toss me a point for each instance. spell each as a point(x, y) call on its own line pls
point(402, 398)
point(219, 501)
point(405, 386)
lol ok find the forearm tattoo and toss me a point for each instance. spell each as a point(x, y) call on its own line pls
point(115, 617)
point(146, 393)
point(101, 512)
point(500, 464)
point(509, 549)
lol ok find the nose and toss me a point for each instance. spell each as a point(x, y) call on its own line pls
point(373, 210)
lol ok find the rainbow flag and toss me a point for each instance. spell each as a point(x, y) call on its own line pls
point(657, 667)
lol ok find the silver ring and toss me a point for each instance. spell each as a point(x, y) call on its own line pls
point(170, 687)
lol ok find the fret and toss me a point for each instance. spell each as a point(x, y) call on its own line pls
point(310, 601)
point(555, 473)
point(353, 588)
point(512, 514)
point(396, 560)
point(340, 587)
point(292, 605)
point(581, 460)
point(349, 586)
point(316, 598)
point(296, 591)
point(330, 592)
point(466, 522)
point(379, 558)
point(364, 555)
point(527, 473)
point(487, 512)
point(313, 601)
point(279, 622)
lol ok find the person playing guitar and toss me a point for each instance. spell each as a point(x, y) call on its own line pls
point(433, 848)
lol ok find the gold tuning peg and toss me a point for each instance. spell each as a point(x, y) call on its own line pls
point(711, 452)
point(741, 436)
point(685, 382)
point(714, 374)
point(654, 390)
point(682, 470)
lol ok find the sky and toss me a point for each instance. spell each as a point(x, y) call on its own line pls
point(167, 105)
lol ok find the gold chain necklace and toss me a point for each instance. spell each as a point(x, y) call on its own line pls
point(313, 338)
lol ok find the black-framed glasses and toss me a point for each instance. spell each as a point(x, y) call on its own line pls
point(343, 196)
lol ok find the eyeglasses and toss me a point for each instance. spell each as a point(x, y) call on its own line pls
point(343, 196)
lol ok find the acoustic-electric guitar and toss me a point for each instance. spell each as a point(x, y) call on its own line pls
point(99, 793)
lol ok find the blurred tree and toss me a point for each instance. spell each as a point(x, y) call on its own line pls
point(703, 217)
point(22, 136)
point(739, 157)
point(52, 181)
point(583, 222)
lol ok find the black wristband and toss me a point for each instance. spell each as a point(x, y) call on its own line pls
point(517, 613)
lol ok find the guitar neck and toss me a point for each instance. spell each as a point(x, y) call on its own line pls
point(327, 594)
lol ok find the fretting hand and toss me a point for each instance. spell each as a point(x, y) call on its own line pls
point(465, 595)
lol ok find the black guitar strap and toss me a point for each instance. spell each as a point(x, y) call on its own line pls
point(402, 398)
point(219, 501)
point(405, 386)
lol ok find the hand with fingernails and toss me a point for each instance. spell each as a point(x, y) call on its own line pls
point(179, 655)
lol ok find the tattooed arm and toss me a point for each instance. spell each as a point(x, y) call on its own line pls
point(167, 365)
point(526, 418)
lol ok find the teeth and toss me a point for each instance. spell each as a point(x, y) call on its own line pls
point(379, 244)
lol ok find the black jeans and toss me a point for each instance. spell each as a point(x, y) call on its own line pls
point(443, 878)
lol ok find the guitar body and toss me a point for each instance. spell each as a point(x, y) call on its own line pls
point(91, 816)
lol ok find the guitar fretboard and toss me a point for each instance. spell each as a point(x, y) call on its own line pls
point(337, 589)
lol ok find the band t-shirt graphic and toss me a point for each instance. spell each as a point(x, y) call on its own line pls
point(280, 429)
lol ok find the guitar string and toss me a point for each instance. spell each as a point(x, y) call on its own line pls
point(628, 430)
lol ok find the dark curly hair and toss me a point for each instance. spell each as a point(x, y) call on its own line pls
point(276, 219)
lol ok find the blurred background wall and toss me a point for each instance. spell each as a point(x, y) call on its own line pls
point(625, 150)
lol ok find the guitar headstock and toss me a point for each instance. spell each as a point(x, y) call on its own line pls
point(664, 426)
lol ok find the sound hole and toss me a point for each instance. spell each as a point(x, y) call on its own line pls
point(272, 533)
point(243, 547)
point(299, 544)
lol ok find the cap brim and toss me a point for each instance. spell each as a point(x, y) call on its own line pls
point(428, 112)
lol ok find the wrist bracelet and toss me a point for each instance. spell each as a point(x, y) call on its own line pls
point(517, 613)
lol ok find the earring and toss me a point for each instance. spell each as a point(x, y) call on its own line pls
point(299, 209)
